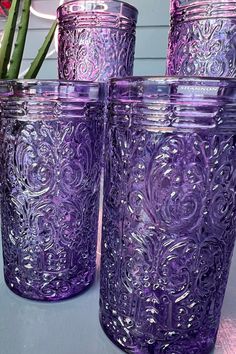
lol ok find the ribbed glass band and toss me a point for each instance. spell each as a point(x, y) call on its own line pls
point(43, 100)
point(174, 103)
point(193, 10)
point(97, 13)
point(97, 21)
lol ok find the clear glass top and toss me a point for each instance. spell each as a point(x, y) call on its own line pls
point(44, 100)
point(97, 6)
point(179, 3)
point(197, 9)
point(168, 88)
point(53, 90)
point(173, 103)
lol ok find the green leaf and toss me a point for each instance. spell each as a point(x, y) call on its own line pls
point(8, 38)
point(38, 61)
point(17, 55)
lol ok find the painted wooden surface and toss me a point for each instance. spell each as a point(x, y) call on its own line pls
point(151, 45)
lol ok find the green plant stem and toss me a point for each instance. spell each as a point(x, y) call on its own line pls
point(17, 55)
point(8, 38)
point(38, 61)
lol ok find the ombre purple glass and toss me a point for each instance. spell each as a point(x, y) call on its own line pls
point(51, 147)
point(202, 38)
point(169, 221)
point(96, 39)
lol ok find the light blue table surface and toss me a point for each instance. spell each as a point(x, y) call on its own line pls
point(72, 326)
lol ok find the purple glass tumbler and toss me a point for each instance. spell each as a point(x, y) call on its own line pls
point(51, 144)
point(202, 38)
point(96, 39)
point(169, 221)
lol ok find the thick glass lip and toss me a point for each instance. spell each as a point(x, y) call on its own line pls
point(189, 10)
point(183, 3)
point(167, 87)
point(98, 6)
point(170, 79)
point(53, 89)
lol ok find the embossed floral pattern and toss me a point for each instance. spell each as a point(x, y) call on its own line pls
point(168, 235)
point(50, 188)
point(96, 53)
point(204, 47)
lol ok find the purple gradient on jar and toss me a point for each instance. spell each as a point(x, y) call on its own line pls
point(202, 39)
point(169, 213)
point(51, 143)
point(96, 40)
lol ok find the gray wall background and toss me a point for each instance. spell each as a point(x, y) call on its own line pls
point(151, 45)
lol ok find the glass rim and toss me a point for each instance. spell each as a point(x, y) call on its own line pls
point(38, 89)
point(122, 6)
point(173, 103)
point(170, 79)
point(183, 3)
point(202, 10)
point(55, 82)
point(168, 88)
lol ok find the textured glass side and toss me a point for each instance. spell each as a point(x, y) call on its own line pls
point(202, 39)
point(96, 46)
point(203, 48)
point(50, 191)
point(168, 230)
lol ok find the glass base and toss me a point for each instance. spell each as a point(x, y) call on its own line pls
point(176, 347)
point(57, 296)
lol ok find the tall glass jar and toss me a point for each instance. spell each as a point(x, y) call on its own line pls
point(96, 39)
point(202, 39)
point(169, 221)
point(51, 143)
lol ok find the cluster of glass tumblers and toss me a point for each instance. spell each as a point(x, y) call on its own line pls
point(167, 146)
